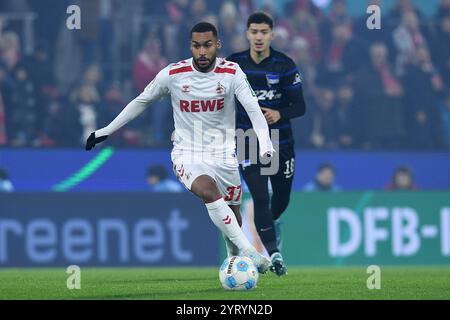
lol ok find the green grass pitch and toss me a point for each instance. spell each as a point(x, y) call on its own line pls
point(203, 283)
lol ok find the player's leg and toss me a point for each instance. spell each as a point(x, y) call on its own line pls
point(281, 190)
point(220, 213)
point(232, 249)
point(223, 217)
point(229, 184)
point(258, 187)
point(237, 213)
point(198, 179)
point(282, 182)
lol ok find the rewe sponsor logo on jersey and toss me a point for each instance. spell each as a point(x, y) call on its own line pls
point(201, 105)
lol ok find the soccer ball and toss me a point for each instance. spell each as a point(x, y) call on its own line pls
point(238, 273)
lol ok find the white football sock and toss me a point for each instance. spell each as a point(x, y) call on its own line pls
point(224, 219)
point(232, 249)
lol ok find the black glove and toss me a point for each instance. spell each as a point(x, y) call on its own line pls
point(92, 140)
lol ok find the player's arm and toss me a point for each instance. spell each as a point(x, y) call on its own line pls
point(244, 93)
point(157, 88)
point(293, 93)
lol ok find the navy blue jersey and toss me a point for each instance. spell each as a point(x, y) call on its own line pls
point(278, 85)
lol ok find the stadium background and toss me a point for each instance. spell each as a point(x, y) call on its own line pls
point(61, 205)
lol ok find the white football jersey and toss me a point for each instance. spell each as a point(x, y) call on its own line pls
point(203, 104)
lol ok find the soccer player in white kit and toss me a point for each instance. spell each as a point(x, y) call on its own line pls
point(203, 90)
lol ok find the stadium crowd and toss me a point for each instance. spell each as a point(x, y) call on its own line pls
point(365, 89)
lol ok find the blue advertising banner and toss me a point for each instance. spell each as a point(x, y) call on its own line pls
point(108, 169)
point(105, 229)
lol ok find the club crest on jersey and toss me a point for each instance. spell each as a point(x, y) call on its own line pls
point(220, 88)
point(185, 88)
point(272, 79)
point(298, 79)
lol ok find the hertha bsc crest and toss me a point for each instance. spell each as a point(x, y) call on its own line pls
point(272, 79)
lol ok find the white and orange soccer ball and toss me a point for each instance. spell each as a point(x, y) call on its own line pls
point(238, 273)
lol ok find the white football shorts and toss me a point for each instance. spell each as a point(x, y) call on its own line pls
point(225, 173)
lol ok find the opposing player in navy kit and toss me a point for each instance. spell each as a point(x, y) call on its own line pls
point(277, 83)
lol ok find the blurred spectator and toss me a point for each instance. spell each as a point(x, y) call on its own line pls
point(23, 113)
point(281, 38)
point(176, 30)
point(441, 47)
point(82, 116)
point(229, 26)
point(324, 131)
point(10, 50)
point(342, 55)
point(301, 55)
point(444, 125)
point(88, 36)
point(198, 10)
point(347, 117)
point(107, 10)
point(330, 46)
point(380, 94)
point(111, 105)
point(402, 180)
point(238, 43)
point(307, 6)
point(245, 7)
point(408, 37)
point(304, 24)
point(443, 8)
point(148, 63)
point(212, 18)
point(155, 7)
point(324, 180)
point(5, 90)
point(424, 84)
point(39, 66)
point(5, 184)
point(52, 131)
point(158, 180)
point(3, 136)
point(401, 8)
point(93, 76)
point(338, 15)
point(48, 22)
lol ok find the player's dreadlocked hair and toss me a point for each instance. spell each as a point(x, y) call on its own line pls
point(260, 17)
point(204, 27)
